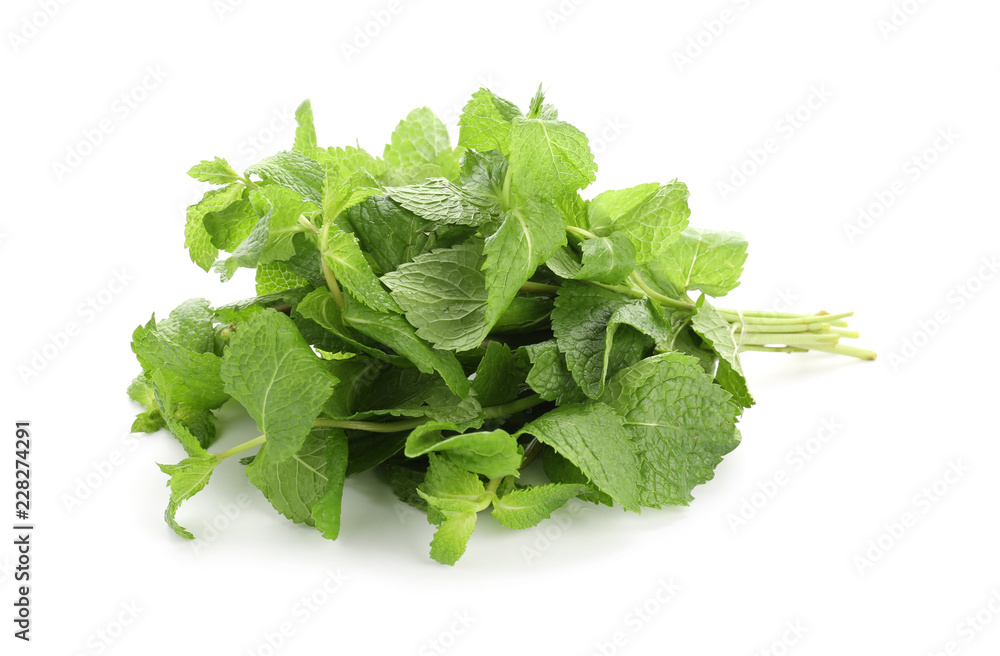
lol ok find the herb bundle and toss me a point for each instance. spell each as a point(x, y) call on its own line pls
point(446, 315)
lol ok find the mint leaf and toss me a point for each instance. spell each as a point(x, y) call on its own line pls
point(607, 259)
point(549, 159)
point(230, 226)
point(484, 175)
point(305, 132)
point(421, 140)
point(707, 260)
point(187, 478)
point(454, 496)
point(560, 470)
point(443, 294)
point(294, 171)
point(485, 123)
point(494, 454)
point(499, 376)
point(216, 171)
point(190, 376)
point(549, 377)
point(326, 510)
point(196, 237)
point(580, 322)
point(306, 487)
point(526, 507)
point(344, 257)
point(149, 420)
point(389, 232)
point(680, 420)
point(277, 276)
point(652, 215)
point(718, 335)
point(393, 331)
point(270, 369)
point(528, 236)
point(190, 326)
point(594, 438)
point(440, 201)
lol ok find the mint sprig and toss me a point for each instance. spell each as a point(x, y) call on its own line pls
point(445, 314)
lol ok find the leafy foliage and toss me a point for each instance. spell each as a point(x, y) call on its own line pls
point(446, 313)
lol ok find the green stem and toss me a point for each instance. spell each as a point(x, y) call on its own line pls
point(409, 424)
point(372, 426)
point(240, 448)
point(767, 328)
point(580, 232)
point(331, 280)
point(657, 296)
point(806, 340)
point(513, 407)
point(843, 349)
point(774, 349)
point(539, 288)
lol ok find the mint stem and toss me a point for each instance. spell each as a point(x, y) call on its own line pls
point(240, 448)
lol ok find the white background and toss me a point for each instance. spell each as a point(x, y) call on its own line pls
point(229, 75)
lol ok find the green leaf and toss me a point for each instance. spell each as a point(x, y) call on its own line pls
point(580, 323)
point(440, 201)
point(681, 422)
point(526, 238)
point(707, 260)
point(594, 438)
point(276, 277)
point(452, 537)
point(318, 306)
point(344, 257)
point(190, 325)
point(421, 139)
point(549, 376)
point(494, 454)
point(215, 171)
point(483, 176)
point(327, 509)
point(307, 486)
point(561, 470)
point(412, 393)
point(190, 376)
point(271, 370)
point(348, 160)
point(294, 171)
point(652, 215)
point(452, 488)
point(230, 226)
point(149, 420)
point(305, 132)
point(163, 392)
point(485, 123)
point(718, 335)
point(549, 159)
point(284, 209)
point(344, 193)
point(607, 259)
point(455, 496)
point(187, 478)
point(443, 294)
point(499, 376)
point(526, 507)
point(393, 331)
point(196, 237)
point(389, 232)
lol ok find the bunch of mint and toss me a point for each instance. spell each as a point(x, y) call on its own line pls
point(445, 315)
